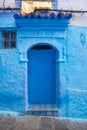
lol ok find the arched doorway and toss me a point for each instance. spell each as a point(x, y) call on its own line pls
point(42, 75)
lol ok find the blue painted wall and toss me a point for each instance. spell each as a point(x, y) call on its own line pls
point(72, 64)
point(76, 73)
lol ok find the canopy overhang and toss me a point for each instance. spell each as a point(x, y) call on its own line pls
point(56, 22)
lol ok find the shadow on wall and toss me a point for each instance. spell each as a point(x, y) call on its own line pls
point(11, 102)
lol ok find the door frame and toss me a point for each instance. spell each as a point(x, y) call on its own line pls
point(57, 72)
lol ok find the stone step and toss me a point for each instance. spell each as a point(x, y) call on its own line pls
point(43, 111)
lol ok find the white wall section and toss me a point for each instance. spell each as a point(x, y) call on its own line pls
point(79, 5)
point(7, 3)
point(72, 4)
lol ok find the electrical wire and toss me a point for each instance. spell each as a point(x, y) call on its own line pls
point(71, 11)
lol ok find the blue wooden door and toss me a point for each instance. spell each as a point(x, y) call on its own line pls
point(41, 77)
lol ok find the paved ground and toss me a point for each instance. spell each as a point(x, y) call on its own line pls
point(39, 123)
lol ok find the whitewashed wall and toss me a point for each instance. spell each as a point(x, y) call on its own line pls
point(7, 3)
point(72, 4)
point(77, 19)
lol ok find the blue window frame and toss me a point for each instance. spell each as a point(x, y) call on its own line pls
point(8, 39)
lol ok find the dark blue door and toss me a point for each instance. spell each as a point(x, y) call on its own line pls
point(41, 77)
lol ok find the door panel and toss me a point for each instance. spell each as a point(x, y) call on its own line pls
point(41, 77)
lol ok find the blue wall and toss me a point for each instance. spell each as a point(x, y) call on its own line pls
point(76, 73)
point(72, 67)
point(77, 64)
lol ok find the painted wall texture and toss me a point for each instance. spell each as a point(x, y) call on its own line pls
point(76, 60)
point(76, 72)
point(69, 4)
point(72, 45)
point(7, 3)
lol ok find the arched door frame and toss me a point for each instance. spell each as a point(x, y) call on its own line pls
point(60, 59)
